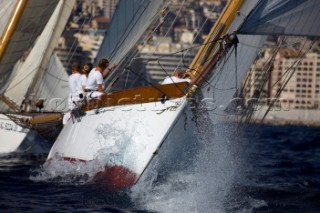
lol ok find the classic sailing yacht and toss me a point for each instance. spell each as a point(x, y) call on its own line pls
point(130, 128)
point(40, 76)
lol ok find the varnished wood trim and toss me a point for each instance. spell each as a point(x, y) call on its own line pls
point(9, 103)
point(11, 26)
point(139, 96)
point(40, 119)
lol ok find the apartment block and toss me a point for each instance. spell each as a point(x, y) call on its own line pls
point(161, 57)
point(302, 91)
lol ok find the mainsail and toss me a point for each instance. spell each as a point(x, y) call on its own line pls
point(284, 17)
point(34, 69)
point(26, 22)
point(38, 76)
point(6, 9)
point(129, 23)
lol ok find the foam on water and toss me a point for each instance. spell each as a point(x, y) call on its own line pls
point(61, 171)
point(67, 173)
point(206, 186)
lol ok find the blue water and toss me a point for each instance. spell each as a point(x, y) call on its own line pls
point(263, 169)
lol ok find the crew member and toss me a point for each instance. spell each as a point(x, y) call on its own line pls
point(94, 87)
point(177, 77)
point(75, 95)
point(84, 75)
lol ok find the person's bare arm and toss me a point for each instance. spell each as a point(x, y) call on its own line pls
point(100, 89)
point(106, 72)
point(189, 75)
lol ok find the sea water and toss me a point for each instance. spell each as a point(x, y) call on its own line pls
point(261, 169)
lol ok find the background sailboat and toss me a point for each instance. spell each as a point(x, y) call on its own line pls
point(21, 23)
point(40, 76)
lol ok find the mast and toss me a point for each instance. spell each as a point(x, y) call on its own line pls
point(31, 72)
point(11, 26)
point(204, 55)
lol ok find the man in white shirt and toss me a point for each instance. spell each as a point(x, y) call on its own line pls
point(94, 87)
point(175, 78)
point(75, 94)
point(75, 83)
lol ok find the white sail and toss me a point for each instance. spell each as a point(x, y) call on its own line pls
point(6, 9)
point(42, 70)
point(32, 70)
point(54, 87)
point(34, 17)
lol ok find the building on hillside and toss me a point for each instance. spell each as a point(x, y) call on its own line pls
point(70, 53)
point(162, 57)
point(107, 6)
point(303, 89)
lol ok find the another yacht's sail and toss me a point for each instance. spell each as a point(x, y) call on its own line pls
point(284, 17)
point(6, 9)
point(54, 87)
point(31, 72)
point(28, 19)
point(129, 23)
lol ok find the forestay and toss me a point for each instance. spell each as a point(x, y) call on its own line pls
point(222, 84)
point(284, 17)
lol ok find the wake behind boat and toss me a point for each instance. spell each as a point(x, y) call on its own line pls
point(129, 127)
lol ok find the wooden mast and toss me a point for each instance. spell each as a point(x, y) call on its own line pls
point(11, 26)
point(207, 53)
point(6, 37)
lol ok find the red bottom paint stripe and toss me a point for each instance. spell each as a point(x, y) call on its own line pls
point(113, 177)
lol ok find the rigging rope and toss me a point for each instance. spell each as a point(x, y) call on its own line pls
point(286, 76)
point(132, 56)
point(151, 84)
point(197, 34)
point(122, 39)
point(258, 93)
point(287, 80)
point(172, 23)
point(59, 78)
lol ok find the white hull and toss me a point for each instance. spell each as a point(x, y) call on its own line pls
point(15, 138)
point(128, 136)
